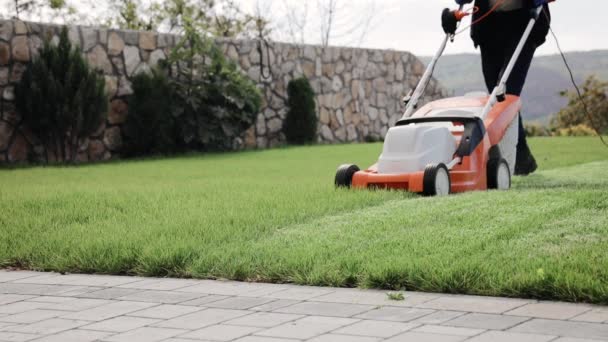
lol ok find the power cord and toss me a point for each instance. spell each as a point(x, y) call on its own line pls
point(578, 91)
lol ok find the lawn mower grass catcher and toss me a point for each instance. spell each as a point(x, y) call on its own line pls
point(451, 145)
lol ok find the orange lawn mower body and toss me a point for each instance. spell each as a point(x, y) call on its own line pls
point(451, 145)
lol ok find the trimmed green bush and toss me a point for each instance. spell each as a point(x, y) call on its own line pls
point(150, 127)
point(300, 125)
point(62, 99)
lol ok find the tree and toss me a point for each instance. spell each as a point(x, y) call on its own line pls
point(62, 100)
point(333, 21)
point(300, 125)
point(594, 115)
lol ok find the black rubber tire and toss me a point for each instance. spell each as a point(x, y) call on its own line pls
point(344, 175)
point(492, 172)
point(430, 176)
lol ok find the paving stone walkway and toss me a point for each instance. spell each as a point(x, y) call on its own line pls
point(64, 308)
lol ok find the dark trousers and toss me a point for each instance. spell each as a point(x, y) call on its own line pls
point(494, 59)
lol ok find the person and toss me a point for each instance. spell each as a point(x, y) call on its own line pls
point(497, 35)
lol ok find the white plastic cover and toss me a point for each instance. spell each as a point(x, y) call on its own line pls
point(411, 148)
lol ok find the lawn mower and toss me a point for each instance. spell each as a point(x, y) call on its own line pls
point(451, 145)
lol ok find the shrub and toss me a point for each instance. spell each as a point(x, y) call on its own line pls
point(214, 101)
point(300, 125)
point(534, 130)
point(62, 100)
point(150, 127)
point(576, 131)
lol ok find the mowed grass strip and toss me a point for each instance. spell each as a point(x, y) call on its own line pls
point(275, 216)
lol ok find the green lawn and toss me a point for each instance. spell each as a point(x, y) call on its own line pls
point(275, 216)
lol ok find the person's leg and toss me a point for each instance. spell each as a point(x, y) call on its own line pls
point(492, 62)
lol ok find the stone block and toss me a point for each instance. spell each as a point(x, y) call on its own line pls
point(6, 30)
point(115, 44)
point(35, 44)
point(502, 336)
point(145, 334)
point(20, 48)
point(5, 53)
point(89, 38)
point(118, 112)
point(376, 329)
point(20, 27)
point(98, 58)
point(156, 56)
point(132, 59)
point(113, 138)
point(147, 40)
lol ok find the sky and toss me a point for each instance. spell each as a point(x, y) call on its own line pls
point(414, 25)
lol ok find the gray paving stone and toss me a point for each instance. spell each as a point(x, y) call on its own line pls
point(18, 307)
point(596, 315)
point(6, 276)
point(395, 314)
point(381, 329)
point(32, 316)
point(424, 337)
point(343, 338)
point(77, 280)
point(304, 293)
point(474, 304)
point(307, 327)
point(275, 305)
point(49, 326)
point(43, 290)
point(564, 329)
point(326, 309)
point(486, 321)
point(166, 311)
point(230, 288)
point(107, 311)
point(204, 300)
point(550, 310)
point(570, 339)
point(165, 297)
point(259, 339)
point(370, 297)
point(239, 303)
point(5, 325)
point(220, 333)
point(159, 284)
point(76, 304)
point(109, 293)
point(76, 335)
point(12, 298)
point(444, 330)
point(503, 336)
point(146, 334)
point(263, 319)
point(121, 324)
point(201, 319)
point(49, 299)
point(41, 278)
point(438, 317)
point(16, 337)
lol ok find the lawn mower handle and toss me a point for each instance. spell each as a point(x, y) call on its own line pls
point(411, 100)
point(499, 92)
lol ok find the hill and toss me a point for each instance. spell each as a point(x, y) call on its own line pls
point(461, 73)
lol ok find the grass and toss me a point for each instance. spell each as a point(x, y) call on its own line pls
point(274, 216)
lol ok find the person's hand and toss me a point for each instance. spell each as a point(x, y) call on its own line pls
point(462, 2)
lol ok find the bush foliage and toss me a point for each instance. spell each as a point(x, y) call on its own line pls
point(196, 101)
point(150, 127)
point(300, 125)
point(595, 96)
point(62, 100)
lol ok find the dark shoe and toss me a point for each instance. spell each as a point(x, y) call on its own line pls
point(525, 163)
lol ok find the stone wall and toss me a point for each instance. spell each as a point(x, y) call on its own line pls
point(358, 91)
